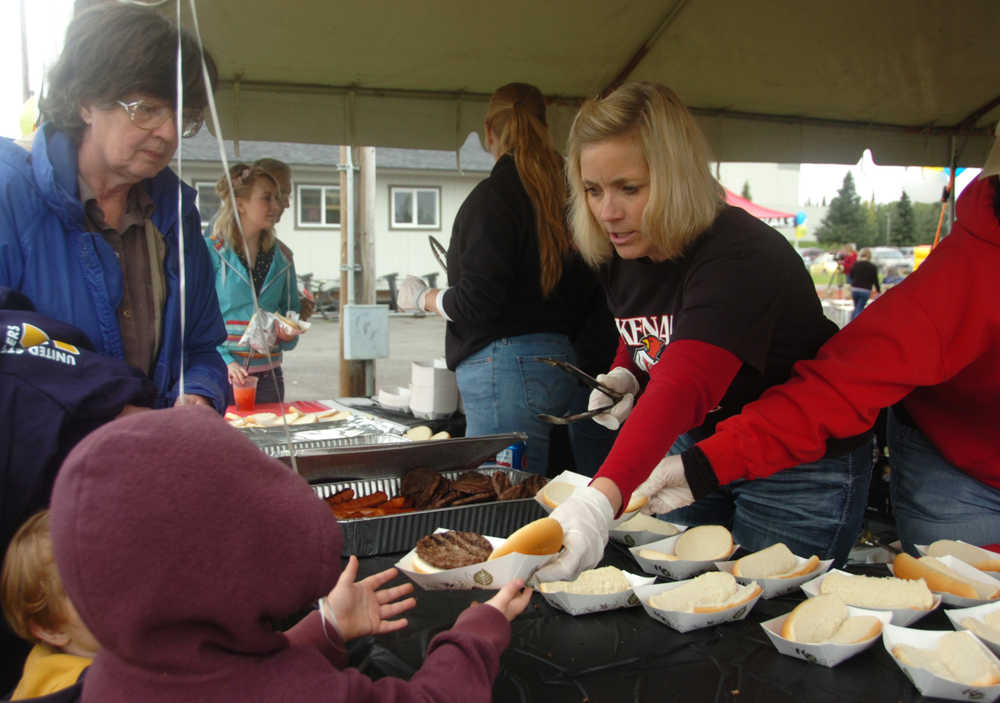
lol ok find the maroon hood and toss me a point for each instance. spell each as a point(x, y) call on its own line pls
point(180, 543)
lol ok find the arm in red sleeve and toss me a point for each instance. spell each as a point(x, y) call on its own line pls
point(687, 382)
point(907, 339)
point(623, 358)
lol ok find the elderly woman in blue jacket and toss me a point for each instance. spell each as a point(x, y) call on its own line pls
point(90, 228)
point(269, 270)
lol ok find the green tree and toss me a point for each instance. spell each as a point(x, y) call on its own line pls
point(745, 193)
point(847, 220)
point(904, 223)
point(925, 221)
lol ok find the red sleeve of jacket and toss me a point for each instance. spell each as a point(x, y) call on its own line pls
point(686, 383)
point(905, 339)
point(623, 358)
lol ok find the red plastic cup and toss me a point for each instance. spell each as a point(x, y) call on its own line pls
point(245, 393)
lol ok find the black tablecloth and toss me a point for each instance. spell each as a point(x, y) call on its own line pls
point(625, 655)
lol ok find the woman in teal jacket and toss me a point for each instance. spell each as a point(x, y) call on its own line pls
point(270, 271)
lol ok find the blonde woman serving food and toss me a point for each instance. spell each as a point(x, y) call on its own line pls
point(269, 270)
point(712, 308)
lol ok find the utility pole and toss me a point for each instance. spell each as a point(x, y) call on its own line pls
point(888, 225)
point(25, 73)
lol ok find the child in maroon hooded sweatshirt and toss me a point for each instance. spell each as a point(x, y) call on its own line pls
point(180, 542)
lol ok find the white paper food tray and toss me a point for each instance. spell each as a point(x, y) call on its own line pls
point(900, 616)
point(927, 683)
point(577, 604)
point(685, 622)
point(969, 573)
point(957, 615)
point(987, 554)
point(825, 653)
point(679, 569)
point(779, 587)
point(487, 574)
point(583, 481)
point(632, 538)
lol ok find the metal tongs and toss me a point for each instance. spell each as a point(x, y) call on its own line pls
point(440, 253)
point(588, 381)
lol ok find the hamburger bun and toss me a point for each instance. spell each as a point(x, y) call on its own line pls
point(982, 559)
point(592, 582)
point(655, 555)
point(421, 566)
point(775, 562)
point(881, 592)
point(704, 543)
point(986, 626)
point(942, 579)
point(958, 656)
point(709, 593)
point(419, 433)
point(648, 523)
point(543, 536)
point(635, 503)
point(826, 619)
point(285, 320)
point(555, 492)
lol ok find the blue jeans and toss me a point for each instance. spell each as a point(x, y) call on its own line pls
point(815, 508)
point(503, 388)
point(860, 300)
point(932, 499)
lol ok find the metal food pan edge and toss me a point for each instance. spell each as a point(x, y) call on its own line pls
point(399, 533)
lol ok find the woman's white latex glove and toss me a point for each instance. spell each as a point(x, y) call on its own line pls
point(667, 487)
point(586, 518)
point(411, 293)
point(617, 379)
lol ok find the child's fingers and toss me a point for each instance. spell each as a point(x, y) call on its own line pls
point(387, 626)
point(391, 610)
point(388, 595)
point(376, 581)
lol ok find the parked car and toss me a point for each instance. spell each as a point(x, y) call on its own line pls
point(889, 257)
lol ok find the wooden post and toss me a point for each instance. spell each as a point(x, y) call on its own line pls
point(352, 371)
point(357, 377)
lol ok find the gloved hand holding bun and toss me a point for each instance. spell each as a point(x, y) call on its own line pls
point(586, 518)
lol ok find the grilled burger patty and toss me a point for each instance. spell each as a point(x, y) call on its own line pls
point(450, 550)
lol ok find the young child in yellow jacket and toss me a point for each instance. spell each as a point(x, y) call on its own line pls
point(38, 610)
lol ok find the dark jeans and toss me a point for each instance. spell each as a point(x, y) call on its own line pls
point(815, 508)
point(860, 300)
point(932, 499)
point(270, 386)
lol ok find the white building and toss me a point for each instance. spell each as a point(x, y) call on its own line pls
point(418, 193)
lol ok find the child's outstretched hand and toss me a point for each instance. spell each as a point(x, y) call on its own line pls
point(362, 609)
point(512, 599)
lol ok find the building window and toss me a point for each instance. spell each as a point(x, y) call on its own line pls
point(208, 203)
point(317, 206)
point(414, 208)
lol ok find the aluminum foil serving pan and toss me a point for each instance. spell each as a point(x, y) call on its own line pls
point(399, 533)
point(388, 456)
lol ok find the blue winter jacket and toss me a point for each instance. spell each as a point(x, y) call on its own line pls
point(73, 275)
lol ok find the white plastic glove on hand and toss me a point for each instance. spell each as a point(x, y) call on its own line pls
point(617, 379)
point(411, 294)
point(586, 518)
point(667, 488)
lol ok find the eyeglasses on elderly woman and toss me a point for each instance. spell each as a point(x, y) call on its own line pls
point(150, 116)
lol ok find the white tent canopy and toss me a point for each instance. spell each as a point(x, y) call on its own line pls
point(783, 80)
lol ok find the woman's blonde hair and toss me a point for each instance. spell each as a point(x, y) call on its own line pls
point(244, 176)
point(866, 254)
point(684, 198)
point(32, 589)
point(516, 117)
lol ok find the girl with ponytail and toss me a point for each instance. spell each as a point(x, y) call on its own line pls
point(517, 288)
